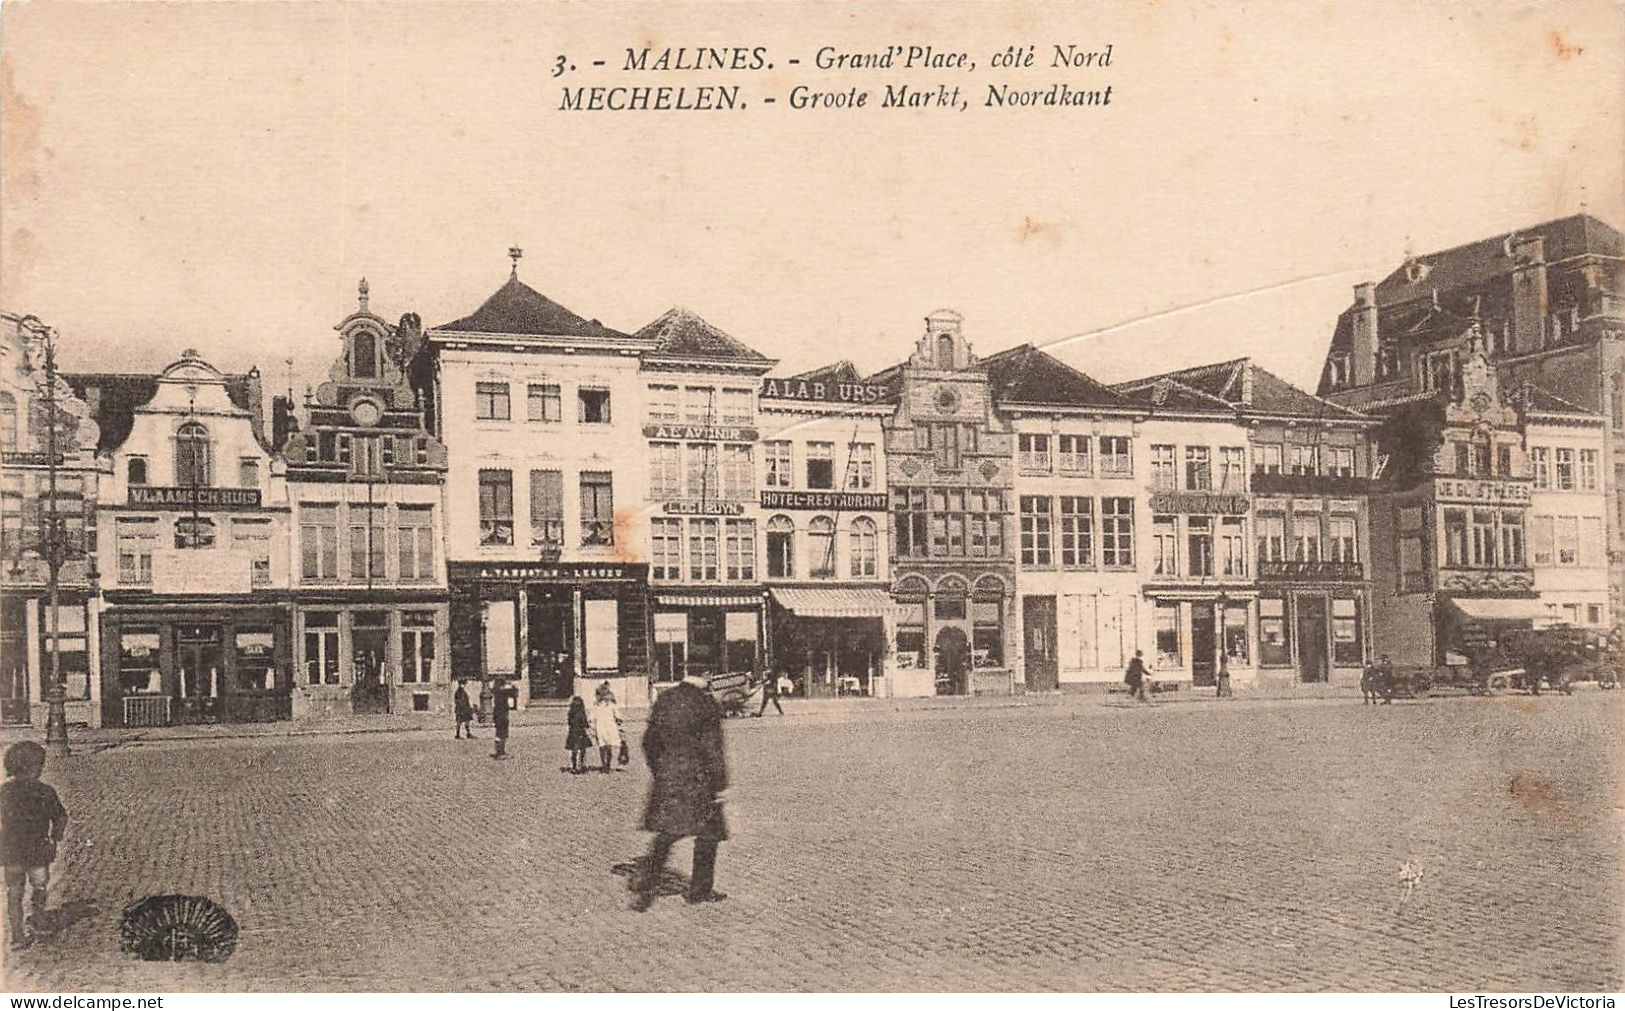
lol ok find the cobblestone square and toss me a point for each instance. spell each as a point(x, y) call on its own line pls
point(1064, 845)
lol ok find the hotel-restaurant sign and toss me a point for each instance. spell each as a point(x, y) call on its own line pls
point(1198, 502)
point(706, 433)
point(839, 501)
point(1459, 490)
point(153, 497)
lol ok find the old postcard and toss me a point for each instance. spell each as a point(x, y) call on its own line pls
point(890, 497)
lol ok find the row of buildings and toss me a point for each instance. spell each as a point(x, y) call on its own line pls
point(527, 493)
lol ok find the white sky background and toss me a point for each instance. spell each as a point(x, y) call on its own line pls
point(219, 176)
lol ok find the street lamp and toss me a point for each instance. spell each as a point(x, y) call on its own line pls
point(41, 343)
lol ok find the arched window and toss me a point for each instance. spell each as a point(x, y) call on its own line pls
point(987, 622)
point(821, 548)
point(8, 423)
point(192, 463)
point(945, 352)
point(949, 599)
point(136, 470)
point(364, 356)
point(781, 548)
point(864, 548)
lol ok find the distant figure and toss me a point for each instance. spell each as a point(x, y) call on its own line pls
point(1388, 680)
point(770, 693)
point(683, 745)
point(1370, 683)
point(32, 822)
point(465, 711)
point(579, 736)
point(606, 727)
point(1223, 691)
point(500, 702)
point(1134, 677)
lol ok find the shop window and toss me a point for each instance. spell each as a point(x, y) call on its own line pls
point(739, 641)
point(1164, 546)
point(194, 534)
point(415, 540)
point(135, 470)
point(1077, 531)
point(139, 670)
point(136, 540)
point(779, 472)
point(1346, 647)
point(1036, 532)
point(417, 647)
point(319, 541)
point(821, 548)
point(1116, 457)
point(741, 549)
point(597, 508)
point(781, 548)
point(256, 660)
point(193, 456)
point(321, 647)
point(1198, 468)
point(665, 472)
point(911, 628)
point(368, 540)
point(601, 626)
point(491, 401)
point(1167, 634)
point(71, 646)
point(1274, 649)
point(1117, 533)
point(663, 405)
point(496, 507)
point(864, 548)
point(1072, 452)
point(821, 465)
point(543, 402)
point(665, 550)
point(671, 645)
point(987, 631)
point(594, 406)
point(1033, 450)
point(1199, 544)
point(1236, 649)
point(546, 508)
point(702, 551)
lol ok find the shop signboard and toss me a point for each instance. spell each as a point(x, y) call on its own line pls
point(156, 497)
point(825, 501)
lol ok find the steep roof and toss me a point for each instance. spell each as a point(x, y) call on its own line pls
point(1539, 400)
point(1026, 375)
point(519, 309)
point(1250, 388)
point(1477, 262)
point(682, 333)
point(1163, 393)
point(118, 395)
point(842, 371)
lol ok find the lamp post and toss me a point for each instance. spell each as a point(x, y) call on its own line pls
point(42, 342)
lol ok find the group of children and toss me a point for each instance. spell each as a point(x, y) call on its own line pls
point(602, 726)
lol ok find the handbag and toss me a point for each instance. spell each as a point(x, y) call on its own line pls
point(626, 754)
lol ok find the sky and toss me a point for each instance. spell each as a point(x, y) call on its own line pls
point(219, 176)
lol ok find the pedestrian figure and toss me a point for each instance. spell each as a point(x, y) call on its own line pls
point(1388, 680)
point(683, 745)
point(770, 693)
point(1223, 691)
point(1370, 680)
point(606, 726)
point(465, 711)
point(579, 736)
point(501, 700)
point(1134, 677)
point(32, 822)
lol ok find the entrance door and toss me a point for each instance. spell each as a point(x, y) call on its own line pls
point(953, 662)
point(198, 659)
point(1038, 629)
point(1311, 638)
point(1204, 646)
point(551, 664)
point(369, 651)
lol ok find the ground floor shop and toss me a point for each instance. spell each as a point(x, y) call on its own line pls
point(1199, 634)
point(369, 657)
point(223, 661)
point(1313, 634)
point(702, 632)
point(1072, 639)
point(556, 629)
point(832, 641)
point(953, 630)
point(27, 642)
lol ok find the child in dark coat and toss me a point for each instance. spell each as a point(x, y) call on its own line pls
point(579, 739)
point(32, 822)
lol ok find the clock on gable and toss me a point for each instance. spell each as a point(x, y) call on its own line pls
point(365, 413)
point(946, 399)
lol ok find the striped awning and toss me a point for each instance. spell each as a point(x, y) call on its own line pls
point(835, 602)
point(704, 599)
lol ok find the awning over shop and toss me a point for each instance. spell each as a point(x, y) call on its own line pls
point(835, 602)
point(708, 600)
point(1499, 608)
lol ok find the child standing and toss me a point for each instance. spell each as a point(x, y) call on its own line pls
point(32, 822)
point(606, 726)
point(579, 738)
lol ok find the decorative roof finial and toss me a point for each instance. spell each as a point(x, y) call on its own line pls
point(361, 294)
point(514, 253)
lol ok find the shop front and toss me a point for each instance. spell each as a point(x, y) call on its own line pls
point(198, 663)
point(832, 641)
point(26, 645)
point(372, 657)
point(1198, 634)
point(1312, 634)
point(556, 628)
point(951, 636)
point(704, 633)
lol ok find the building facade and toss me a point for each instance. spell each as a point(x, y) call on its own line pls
point(29, 634)
point(1568, 510)
point(366, 483)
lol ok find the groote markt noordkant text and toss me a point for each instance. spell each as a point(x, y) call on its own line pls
point(908, 76)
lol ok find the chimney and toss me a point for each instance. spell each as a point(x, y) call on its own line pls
point(255, 395)
point(1364, 328)
point(1529, 298)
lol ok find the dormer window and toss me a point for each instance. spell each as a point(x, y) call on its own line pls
point(1387, 361)
point(364, 356)
point(1337, 368)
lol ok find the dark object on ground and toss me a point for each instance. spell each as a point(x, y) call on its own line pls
point(177, 928)
point(670, 882)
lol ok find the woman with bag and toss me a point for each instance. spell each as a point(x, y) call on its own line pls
point(606, 725)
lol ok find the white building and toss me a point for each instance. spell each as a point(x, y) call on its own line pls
point(1568, 510)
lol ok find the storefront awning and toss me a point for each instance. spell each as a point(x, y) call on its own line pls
point(1499, 608)
point(835, 602)
point(703, 599)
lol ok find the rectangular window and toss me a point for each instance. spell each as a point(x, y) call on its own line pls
point(1305, 537)
point(1077, 531)
point(248, 471)
point(1588, 470)
point(1512, 538)
point(597, 508)
point(663, 404)
point(1346, 649)
point(700, 405)
point(1274, 649)
point(1271, 532)
point(136, 539)
point(491, 401)
point(1340, 462)
point(1439, 371)
point(738, 473)
point(546, 508)
point(1341, 539)
point(1073, 454)
point(702, 551)
point(704, 477)
point(368, 539)
point(1267, 458)
point(945, 440)
point(821, 465)
point(1233, 468)
point(543, 402)
point(415, 541)
point(1167, 633)
point(781, 548)
point(665, 550)
point(417, 647)
point(1116, 457)
point(909, 516)
point(821, 548)
point(1199, 543)
point(1455, 537)
point(862, 468)
point(741, 545)
point(592, 405)
point(1198, 468)
point(1304, 460)
point(253, 538)
point(1035, 530)
point(1163, 477)
point(1592, 553)
point(1565, 469)
point(1483, 538)
point(1540, 466)
point(1412, 574)
point(319, 541)
point(1593, 614)
point(738, 407)
point(1568, 540)
point(1117, 533)
point(496, 507)
point(322, 647)
point(779, 473)
point(1542, 540)
point(1236, 647)
point(665, 471)
point(1232, 546)
point(1034, 452)
point(1164, 546)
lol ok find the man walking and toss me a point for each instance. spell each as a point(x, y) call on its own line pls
point(770, 693)
point(683, 745)
point(499, 717)
point(1134, 677)
point(464, 710)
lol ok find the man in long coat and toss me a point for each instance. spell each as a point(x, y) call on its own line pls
point(683, 745)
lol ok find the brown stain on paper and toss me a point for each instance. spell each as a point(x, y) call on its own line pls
point(1032, 229)
point(1561, 48)
point(1538, 795)
point(20, 148)
point(626, 547)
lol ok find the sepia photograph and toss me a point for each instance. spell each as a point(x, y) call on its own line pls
point(910, 497)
